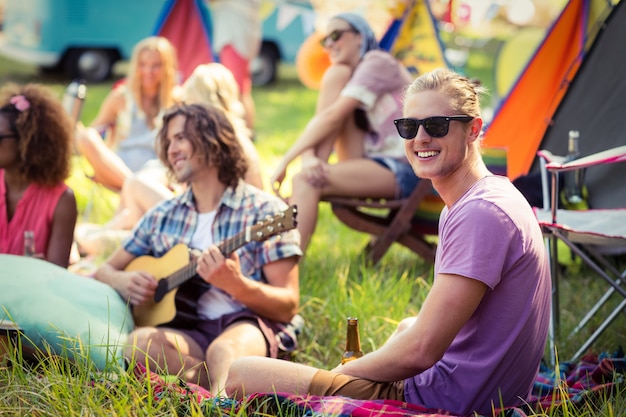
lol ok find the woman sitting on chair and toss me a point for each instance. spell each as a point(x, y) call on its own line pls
point(359, 97)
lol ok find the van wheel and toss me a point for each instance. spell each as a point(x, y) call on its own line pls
point(265, 66)
point(93, 65)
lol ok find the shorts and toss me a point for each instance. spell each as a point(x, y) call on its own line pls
point(406, 180)
point(206, 331)
point(325, 383)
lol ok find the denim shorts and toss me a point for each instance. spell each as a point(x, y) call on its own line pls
point(406, 180)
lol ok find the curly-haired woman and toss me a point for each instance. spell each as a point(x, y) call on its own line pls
point(35, 150)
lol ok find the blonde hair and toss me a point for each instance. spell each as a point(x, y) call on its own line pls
point(169, 64)
point(464, 93)
point(215, 84)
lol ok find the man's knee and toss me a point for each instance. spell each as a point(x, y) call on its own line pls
point(234, 382)
point(247, 340)
point(140, 341)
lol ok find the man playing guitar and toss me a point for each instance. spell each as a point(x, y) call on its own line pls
point(237, 299)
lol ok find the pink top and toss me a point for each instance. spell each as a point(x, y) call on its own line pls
point(378, 82)
point(34, 212)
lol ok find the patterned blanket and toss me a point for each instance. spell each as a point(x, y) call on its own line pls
point(575, 384)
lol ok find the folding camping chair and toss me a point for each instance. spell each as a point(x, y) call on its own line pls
point(409, 221)
point(591, 234)
point(391, 221)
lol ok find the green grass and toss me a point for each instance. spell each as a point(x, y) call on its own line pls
point(334, 284)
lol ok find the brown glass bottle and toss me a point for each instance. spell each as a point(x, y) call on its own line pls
point(29, 243)
point(353, 342)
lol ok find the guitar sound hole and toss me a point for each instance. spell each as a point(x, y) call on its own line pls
point(161, 290)
point(186, 301)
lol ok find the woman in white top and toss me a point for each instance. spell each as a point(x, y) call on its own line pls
point(120, 141)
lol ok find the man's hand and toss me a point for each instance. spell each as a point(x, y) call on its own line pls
point(137, 287)
point(215, 269)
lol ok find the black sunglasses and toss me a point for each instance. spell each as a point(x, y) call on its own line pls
point(436, 126)
point(8, 135)
point(335, 35)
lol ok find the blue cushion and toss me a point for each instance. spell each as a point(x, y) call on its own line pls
point(65, 311)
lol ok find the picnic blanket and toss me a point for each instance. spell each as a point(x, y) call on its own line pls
point(574, 384)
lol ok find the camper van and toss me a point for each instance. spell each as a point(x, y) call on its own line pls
point(85, 38)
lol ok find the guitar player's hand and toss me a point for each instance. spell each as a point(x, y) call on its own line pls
point(138, 287)
point(223, 273)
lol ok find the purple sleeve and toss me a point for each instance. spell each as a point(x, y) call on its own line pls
point(482, 248)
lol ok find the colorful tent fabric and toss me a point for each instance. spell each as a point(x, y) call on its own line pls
point(521, 120)
point(187, 25)
point(594, 105)
point(413, 38)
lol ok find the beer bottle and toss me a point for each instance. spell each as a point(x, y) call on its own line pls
point(74, 99)
point(29, 243)
point(572, 180)
point(353, 343)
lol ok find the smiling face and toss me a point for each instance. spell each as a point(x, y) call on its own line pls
point(186, 163)
point(150, 67)
point(342, 43)
point(437, 158)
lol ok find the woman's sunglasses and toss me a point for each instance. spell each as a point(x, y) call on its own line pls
point(335, 35)
point(436, 126)
point(7, 136)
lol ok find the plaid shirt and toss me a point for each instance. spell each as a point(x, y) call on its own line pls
point(174, 221)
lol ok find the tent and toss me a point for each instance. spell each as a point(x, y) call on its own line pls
point(594, 105)
point(523, 116)
point(187, 24)
point(574, 81)
point(413, 38)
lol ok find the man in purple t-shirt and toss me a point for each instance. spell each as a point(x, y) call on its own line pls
point(478, 339)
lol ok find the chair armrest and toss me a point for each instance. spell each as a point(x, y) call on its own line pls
point(555, 165)
point(609, 156)
point(549, 157)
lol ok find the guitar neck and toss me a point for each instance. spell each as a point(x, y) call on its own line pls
point(227, 247)
point(258, 232)
point(231, 244)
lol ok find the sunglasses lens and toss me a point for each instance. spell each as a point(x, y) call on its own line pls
point(407, 128)
point(334, 36)
point(437, 127)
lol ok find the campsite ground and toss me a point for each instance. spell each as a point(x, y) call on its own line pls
point(334, 281)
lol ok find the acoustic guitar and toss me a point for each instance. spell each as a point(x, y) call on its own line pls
point(179, 287)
